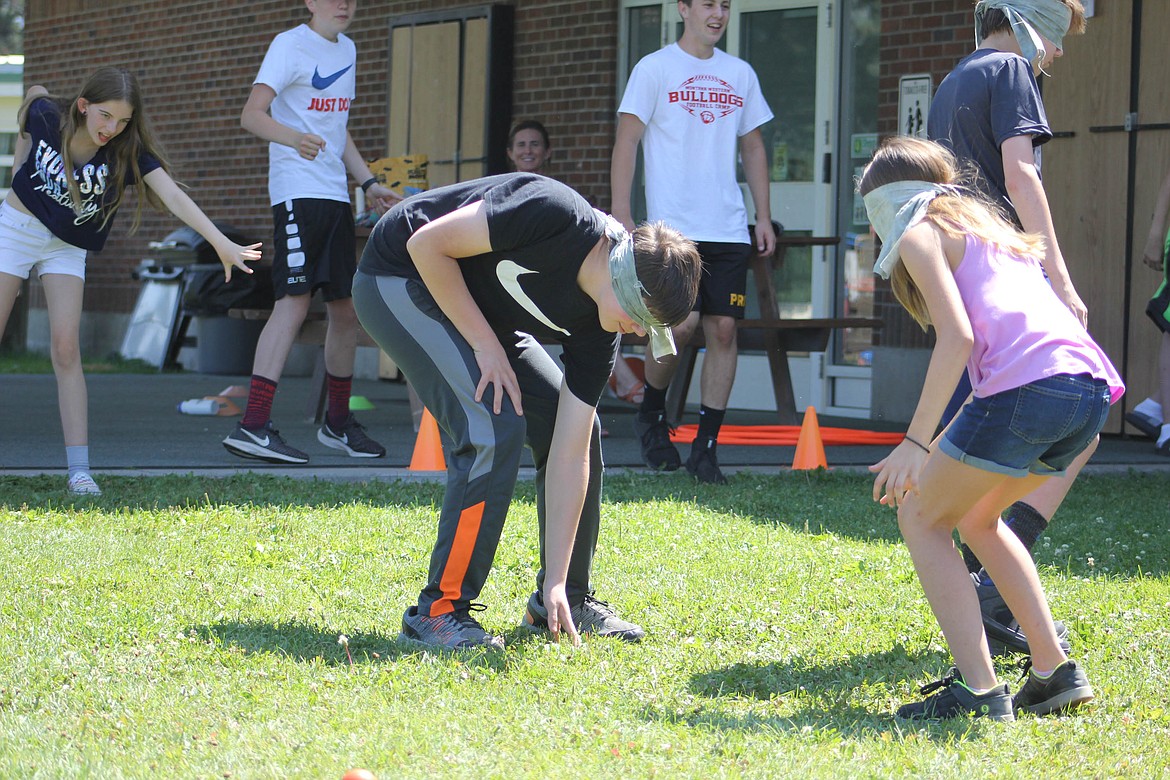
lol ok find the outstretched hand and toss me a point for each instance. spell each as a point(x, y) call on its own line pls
point(897, 474)
point(235, 256)
point(560, 616)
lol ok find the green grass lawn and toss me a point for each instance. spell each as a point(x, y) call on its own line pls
point(21, 362)
point(183, 627)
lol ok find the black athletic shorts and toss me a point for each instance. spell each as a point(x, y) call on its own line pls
point(315, 248)
point(723, 284)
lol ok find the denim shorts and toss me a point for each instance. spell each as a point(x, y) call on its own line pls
point(1039, 428)
point(26, 243)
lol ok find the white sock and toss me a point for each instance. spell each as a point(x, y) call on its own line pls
point(1150, 407)
point(1164, 436)
point(77, 458)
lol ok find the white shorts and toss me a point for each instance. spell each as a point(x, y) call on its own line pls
point(25, 242)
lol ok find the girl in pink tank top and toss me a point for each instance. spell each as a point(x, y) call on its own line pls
point(1042, 391)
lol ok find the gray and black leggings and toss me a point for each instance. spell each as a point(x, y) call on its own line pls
point(408, 325)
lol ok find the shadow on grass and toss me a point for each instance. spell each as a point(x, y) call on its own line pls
point(304, 643)
point(824, 693)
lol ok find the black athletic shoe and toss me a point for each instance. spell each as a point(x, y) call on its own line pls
point(955, 700)
point(1003, 632)
point(591, 616)
point(350, 438)
point(703, 465)
point(657, 450)
point(264, 444)
point(456, 630)
point(1066, 689)
point(1144, 423)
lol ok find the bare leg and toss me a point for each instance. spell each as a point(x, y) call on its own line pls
point(341, 337)
point(951, 493)
point(63, 293)
point(720, 361)
point(278, 336)
point(9, 289)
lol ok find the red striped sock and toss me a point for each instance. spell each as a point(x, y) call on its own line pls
point(339, 392)
point(260, 395)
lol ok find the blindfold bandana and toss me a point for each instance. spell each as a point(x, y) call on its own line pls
point(1029, 20)
point(895, 208)
point(629, 290)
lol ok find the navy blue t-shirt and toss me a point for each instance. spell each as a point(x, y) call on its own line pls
point(41, 185)
point(989, 97)
point(541, 231)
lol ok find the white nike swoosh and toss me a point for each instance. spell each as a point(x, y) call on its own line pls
point(508, 272)
point(262, 442)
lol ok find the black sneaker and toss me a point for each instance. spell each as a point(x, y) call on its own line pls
point(657, 450)
point(456, 630)
point(955, 700)
point(1003, 632)
point(1066, 689)
point(264, 444)
point(1144, 423)
point(592, 616)
point(703, 465)
point(351, 439)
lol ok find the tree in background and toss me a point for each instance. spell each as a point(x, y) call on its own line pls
point(11, 26)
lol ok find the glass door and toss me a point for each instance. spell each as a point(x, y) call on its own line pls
point(791, 46)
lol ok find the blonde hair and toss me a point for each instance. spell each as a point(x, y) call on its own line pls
point(903, 158)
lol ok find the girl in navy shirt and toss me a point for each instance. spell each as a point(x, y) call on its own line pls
point(75, 157)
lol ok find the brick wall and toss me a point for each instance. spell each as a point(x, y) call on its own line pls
point(196, 60)
point(918, 36)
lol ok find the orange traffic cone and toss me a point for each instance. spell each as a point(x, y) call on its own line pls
point(428, 447)
point(810, 450)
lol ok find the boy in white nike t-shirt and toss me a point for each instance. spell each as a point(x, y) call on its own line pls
point(300, 104)
point(690, 105)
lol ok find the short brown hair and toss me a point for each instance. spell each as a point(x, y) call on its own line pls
point(668, 266)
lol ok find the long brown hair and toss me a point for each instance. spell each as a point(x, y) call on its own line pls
point(105, 84)
point(903, 158)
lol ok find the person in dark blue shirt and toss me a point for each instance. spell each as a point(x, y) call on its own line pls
point(74, 159)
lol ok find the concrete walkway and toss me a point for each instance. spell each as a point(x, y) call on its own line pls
point(136, 429)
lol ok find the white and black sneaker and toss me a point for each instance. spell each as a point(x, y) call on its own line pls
point(264, 444)
point(350, 438)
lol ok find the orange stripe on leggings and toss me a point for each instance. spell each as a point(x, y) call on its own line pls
point(466, 532)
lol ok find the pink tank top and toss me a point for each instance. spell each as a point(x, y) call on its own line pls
point(1022, 331)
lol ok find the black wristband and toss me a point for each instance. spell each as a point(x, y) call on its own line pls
point(919, 444)
point(370, 182)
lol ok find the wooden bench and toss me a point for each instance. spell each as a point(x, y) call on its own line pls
point(775, 335)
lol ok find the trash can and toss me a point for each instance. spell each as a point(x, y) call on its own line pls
point(224, 345)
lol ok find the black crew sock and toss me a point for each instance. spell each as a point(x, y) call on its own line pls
point(1026, 523)
point(710, 421)
point(653, 402)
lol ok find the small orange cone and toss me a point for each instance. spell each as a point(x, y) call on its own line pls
point(810, 450)
point(234, 391)
point(428, 447)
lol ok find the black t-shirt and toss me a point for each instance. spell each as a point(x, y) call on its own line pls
point(989, 97)
point(41, 185)
point(541, 232)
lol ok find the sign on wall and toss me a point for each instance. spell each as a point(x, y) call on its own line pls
point(914, 104)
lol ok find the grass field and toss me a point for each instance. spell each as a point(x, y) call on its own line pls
point(184, 627)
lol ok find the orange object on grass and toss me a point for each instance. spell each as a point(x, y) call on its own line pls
point(428, 447)
point(810, 450)
point(786, 435)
